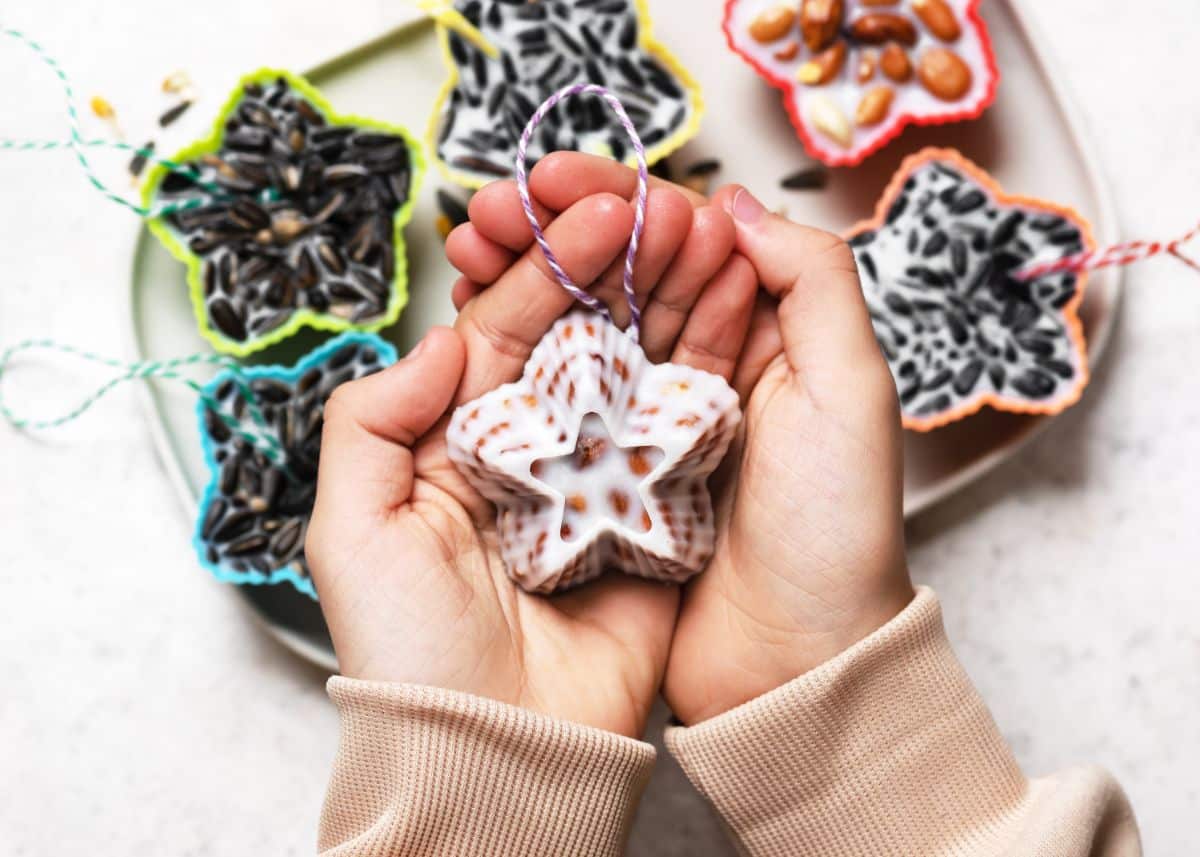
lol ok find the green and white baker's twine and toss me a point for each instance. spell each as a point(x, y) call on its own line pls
point(78, 144)
point(265, 441)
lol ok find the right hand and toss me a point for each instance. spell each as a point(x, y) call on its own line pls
point(810, 557)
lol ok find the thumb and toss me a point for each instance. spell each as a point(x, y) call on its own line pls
point(371, 425)
point(822, 313)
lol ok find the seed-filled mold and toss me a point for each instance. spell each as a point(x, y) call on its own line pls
point(959, 328)
point(255, 512)
point(539, 47)
point(855, 72)
point(597, 458)
point(304, 226)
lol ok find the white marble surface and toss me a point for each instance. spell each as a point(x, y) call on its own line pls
point(143, 714)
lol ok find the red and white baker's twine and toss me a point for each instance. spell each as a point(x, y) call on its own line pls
point(639, 220)
point(1126, 253)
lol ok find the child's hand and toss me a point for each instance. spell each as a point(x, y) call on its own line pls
point(404, 552)
point(811, 557)
point(810, 553)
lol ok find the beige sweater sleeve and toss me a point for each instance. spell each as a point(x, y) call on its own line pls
point(422, 771)
point(888, 749)
point(885, 750)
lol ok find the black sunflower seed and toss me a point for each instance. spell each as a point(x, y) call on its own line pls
point(660, 80)
point(1060, 368)
point(1035, 384)
point(459, 49)
point(173, 113)
point(287, 539)
point(968, 202)
point(138, 162)
point(813, 177)
point(481, 165)
point(958, 257)
point(1070, 235)
point(1007, 230)
point(629, 32)
point(216, 427)
point(1036, 345)
point(229, 476)
point(226, 319)
point(968, 377)
point(897, 304)
point(936, 405)
point(897, 210)
point(868, 265)
point(270, 390)
point(216, 510)
point(234, 525)
point(937, 242)
point(247, 545)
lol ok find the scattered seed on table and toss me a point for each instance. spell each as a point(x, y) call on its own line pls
point(813, 177)
point(137, 164)
point(174, 113)
point(706, 167)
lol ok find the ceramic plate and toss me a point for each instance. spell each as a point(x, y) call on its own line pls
point(1031, 140)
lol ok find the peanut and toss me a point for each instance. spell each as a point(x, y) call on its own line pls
point(939, 18)
point(824, 67)
point(879, 27)
point(944, 73)
point(819, 22)
point(787, 54)
point(772, 23)
point(866, 66)
point(829, 119)
point(895, 63)
point(874, 106)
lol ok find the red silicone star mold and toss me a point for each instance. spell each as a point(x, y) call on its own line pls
point(597, 458)
point(854, 73)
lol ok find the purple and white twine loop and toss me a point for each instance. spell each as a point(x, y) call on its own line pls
point(639, 218)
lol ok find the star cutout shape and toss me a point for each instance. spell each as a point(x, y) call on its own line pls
point(595, 479)
point(597, 458)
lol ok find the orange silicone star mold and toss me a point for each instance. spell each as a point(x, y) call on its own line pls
point(959, 329)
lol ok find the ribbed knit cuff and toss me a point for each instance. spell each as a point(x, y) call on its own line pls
point(424, 771)
point(887, 749)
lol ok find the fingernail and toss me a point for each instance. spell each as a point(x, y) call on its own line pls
point(746, 207)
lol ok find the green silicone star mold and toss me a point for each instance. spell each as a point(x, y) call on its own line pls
point(307, 227)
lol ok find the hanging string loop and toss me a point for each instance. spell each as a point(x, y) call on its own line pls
point(639, 220)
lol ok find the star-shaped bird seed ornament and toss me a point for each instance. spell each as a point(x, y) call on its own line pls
point(597, 458)
point(854, 73)
point(960, 322)
point(290, 215)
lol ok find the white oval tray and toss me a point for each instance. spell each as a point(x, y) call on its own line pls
point(1031, 140)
